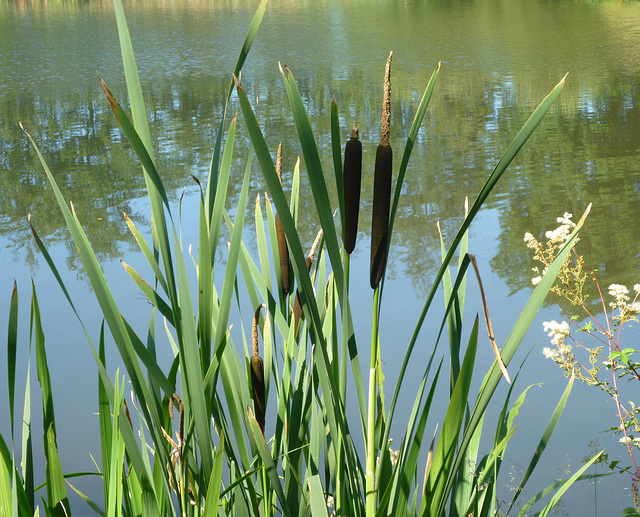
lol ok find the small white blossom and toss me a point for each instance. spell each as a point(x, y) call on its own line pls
point(619, 292)
point(536, 280)
point(558, 235)
point(566, 220)
point(558, 332)
point(331, 504)
point(636, 288)
point(529, 240)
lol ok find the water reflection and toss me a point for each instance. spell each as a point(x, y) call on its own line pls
point(500, 59)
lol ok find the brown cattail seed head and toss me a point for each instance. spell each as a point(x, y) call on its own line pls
point(257, 374)
point(382, 188)
point(283, 251)
point(380, 217)
point(352, 179)
point(257, 383)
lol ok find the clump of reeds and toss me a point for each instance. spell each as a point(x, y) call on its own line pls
point(352, 179)
point(382, 187)
point(257, 374)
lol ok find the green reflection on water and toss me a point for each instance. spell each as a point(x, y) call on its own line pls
point(499, 60)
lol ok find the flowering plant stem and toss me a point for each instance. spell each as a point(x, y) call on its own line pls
point(606, 331)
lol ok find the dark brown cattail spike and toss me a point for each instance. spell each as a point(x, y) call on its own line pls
point(352, 179)
point(283, 251)
point(382, 188)
point(257, 374)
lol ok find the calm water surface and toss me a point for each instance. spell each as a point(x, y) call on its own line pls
point(499, 60)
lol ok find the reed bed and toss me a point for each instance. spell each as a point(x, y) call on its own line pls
point(271, 431)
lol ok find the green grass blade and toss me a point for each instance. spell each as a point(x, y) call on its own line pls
point(336, 151)
point(221, 186)
point(153, 297)
point(12, 493)
point(317, 502)
point(104, 415)
point(117, 447)
point(149, 502)
point(190, 365)
point(560, 487)
point(212, 182)
point(213, 491)
point(205, 290)
point(27, 444)
point(6, 472)
point(268, 463)
point(411, 448)
point(12, 343)
point(148, 254)
point(261, 239)
point(136, 141)
point(443, 457)
point(229, 281)
point(551, 426)
point(58, 503)
point(134, 87)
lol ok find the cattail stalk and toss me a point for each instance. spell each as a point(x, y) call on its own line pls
point(379, 237)
point(257, 374)
point(352, 180)
point(283, 250)
point(382, 188)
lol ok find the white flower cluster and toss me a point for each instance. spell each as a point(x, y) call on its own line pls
point(620, 294)
point(530, 240)
point(555, 239)
point(630, 440)
point(558, 332)
point(562, 232)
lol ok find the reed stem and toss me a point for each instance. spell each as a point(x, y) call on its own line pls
point(371, 414)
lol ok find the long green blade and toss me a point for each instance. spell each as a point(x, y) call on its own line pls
point(12, 342)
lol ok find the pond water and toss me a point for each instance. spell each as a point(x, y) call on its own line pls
point(499, 59)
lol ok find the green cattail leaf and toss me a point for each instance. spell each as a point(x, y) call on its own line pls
point(12, 341)
point(352, 177)
point(380, 218)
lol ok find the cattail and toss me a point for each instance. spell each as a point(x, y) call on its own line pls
point(283, 250)
point(352, 178)
point(382, 188)
point(257, 374)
